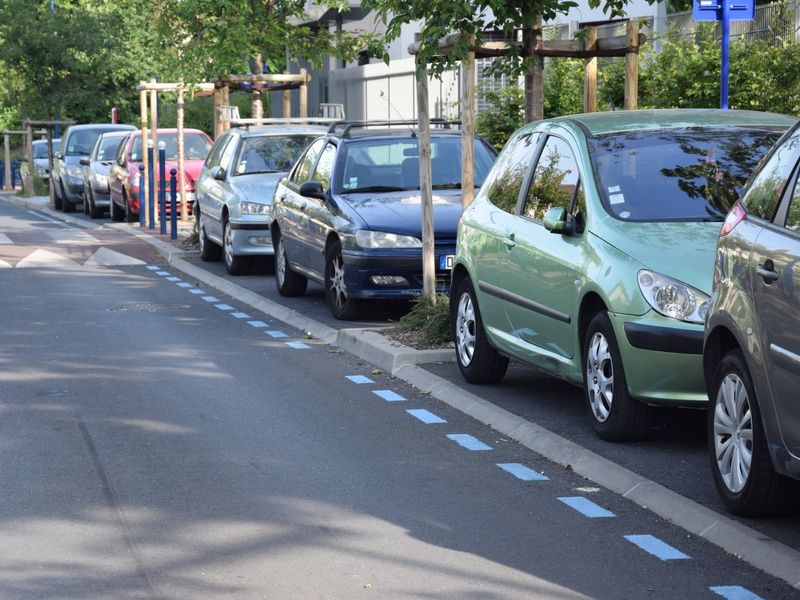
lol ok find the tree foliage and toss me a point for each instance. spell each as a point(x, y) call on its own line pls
point(503, 117)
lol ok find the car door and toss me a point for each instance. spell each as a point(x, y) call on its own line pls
point(215, 193)
point(319, 215)
point(118, 172)
point(543, 268)
point(775, 264)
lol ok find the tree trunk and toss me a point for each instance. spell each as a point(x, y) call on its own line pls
point(256, 104)
point(534, 76)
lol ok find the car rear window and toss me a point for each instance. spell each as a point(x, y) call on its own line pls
point(271, 154)
point(195, 146)
point(393, 164)
point(691, 174)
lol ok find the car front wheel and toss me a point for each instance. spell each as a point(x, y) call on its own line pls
point(737, 445)
point(95, 212)
point(66, 205)
point(209, 251)
point(477, 360)
point(236, 265)
point(615, 415)
point(289, 283)
point(342, 305)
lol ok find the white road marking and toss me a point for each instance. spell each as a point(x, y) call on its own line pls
point(105, 257)
point(45, 218)
point(4, 265)
point(4, 239)
point(72, 237)
point(45, 258)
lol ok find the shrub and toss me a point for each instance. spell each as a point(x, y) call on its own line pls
point(428, 321)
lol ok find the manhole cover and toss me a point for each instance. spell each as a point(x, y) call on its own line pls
point(148, 307)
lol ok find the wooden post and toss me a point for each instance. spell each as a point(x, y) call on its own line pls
point(27, 185)
point(148, 218)
point(181, 174)
point(304, 95)
point(468, 129)
point(287, 104)
point(51, 192)
point(426, 190)
point(632, 66)
point(225, 100)
point(7, 187)
point(154, 136)
point(217, 104)
point(256, 101)
point(590, 72)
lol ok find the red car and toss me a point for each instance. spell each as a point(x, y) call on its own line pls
point(123, 179)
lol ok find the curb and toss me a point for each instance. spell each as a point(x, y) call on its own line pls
point(755, 548)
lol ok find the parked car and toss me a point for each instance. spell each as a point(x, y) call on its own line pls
point(236, 186)
point(123, 179)
point(41, 166)
point(349, 214)
point(588, 252)
point(67, 175)
point(95, 172)
point(751, 355)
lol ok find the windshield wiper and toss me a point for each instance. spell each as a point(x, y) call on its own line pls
point(376, 188)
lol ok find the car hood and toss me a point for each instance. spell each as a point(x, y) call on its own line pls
point(401, 212)
point(256, 187)
point(682, 250)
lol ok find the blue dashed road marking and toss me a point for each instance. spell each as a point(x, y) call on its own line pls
point(522, 472)
point(241, 315)
point(223, 306)
point(163, 273)
point(257, 324)
point(359, 379)
point(210, 299)
point(276, 334)
point(298, 345)
point(469, 442)
point(173, 279)
point(734, 592)
point(184, 284)
point(388, 395)
point(586, 507)
point(656, 547)
point(425, 416)
point(196, 292)
point(154, 267)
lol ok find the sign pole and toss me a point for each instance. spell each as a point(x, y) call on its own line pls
point(726, 43)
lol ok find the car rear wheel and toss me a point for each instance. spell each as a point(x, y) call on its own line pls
point(86, 201)
point(477, 360)
point(209, 251)
point(289, 283)
point(340, 302)
point(95, 212)
point(737, 446)
point(616, 416)
point(236, 265)
point(66, 205)
point(130, 216)
point(114, 211)
point(57, 200)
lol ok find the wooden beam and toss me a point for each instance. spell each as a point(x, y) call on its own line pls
point(27, 184)
point(181, 196)
point(7, 187)
point(287, 103)
point(145, 182)
point(590, 73)
point(297, 78)
point(156, 216)
point(425, 184)
point(217, 116)
point(304, 95)
point(225, 100)
point(632, 66)
point(50, 191)
point(468, 130)
point(199, 89)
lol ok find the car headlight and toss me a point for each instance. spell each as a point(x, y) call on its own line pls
point(100, 179)
point(253, 208)
point(75, 171)
point(382, 239)
point(673, 298)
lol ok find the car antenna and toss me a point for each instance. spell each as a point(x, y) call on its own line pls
point(392, 106)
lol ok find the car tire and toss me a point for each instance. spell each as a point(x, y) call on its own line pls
point(209, 251)
point(615, 415)
point(57, 200)
point(66, 205)
point(236, 265)
point(734, 416)
point(114, 212)
point(289, 282)
point(340, 303)
point(95, 212)
point(130, 216)
point(86, 201)
point(477, 360)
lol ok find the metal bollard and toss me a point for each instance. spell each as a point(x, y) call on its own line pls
point(173, 210)
point(141, 196)
point(162, 190)
point(151, 200)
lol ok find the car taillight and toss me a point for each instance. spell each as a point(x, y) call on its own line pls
point(736, 216)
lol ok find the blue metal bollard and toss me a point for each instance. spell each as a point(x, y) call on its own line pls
point(162, 190)
point(151, 200)
point(173, 211)
point(141, 196)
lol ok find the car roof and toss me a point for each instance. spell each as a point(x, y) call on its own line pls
point(106, 126)
point(116, 133)
point(162, 130)
point(279, 130)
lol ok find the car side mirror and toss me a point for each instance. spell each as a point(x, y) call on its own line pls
point(312, 189)
point(85, 162)
point(218, 173)
point(556, 220)
point(59, 155)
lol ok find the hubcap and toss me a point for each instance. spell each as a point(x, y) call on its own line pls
point(201, 238)
point(465, 329)
point(338, 289)
point(280, 263)
point(228, 243)
point(600, 377)
point(733, 432)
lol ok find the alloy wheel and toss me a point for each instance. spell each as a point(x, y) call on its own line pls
point(337, 287)
point(600, 377)
point(201, 238)
point(280, 263)
point(227, 244)
point(465, 329)
point(733, 432)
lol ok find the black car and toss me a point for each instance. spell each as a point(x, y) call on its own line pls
point(349, 214)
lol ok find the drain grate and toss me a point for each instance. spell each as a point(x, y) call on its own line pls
point(148, 307)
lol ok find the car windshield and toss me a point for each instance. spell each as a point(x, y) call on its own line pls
point(40, 150)
point(107, 148)
point(271, 154)
point(393, 164)
point(693, 174)
point(81, 142)
point(195, 146)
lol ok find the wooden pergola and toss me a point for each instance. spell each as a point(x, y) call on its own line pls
point(43, 128)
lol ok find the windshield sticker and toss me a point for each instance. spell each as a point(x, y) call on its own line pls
point(624, 214)
point(614, 189)
point(352, 184)
point(616, 198)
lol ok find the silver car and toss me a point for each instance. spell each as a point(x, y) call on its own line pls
point(95, 173)
point(235, 189)
point(752, 342)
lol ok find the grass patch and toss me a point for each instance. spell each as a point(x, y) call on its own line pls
point(40, 187)
point(426, 325)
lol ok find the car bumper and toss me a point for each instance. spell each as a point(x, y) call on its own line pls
point(663, 358)
point(73, 189)
point(101, 198)
point(251, 239)
point(366, 274)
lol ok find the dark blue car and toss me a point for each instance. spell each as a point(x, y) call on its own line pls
point(348, 216)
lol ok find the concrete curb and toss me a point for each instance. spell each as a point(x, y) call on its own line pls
point(772, 557)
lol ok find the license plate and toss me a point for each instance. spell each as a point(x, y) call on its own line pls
point(447, 261)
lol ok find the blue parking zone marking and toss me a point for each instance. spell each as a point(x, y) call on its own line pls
point(586, 507)
point(469, 442)
point(163, 273)
point(276, 334)
point(734, 592)
point(360, 379)
point(257, 324)
point(154, 267)
point(173, 279)
point(210, 299)
point(298, 345)
point(522, 472)
point(223, 306)
point(425, 416)
point(388, 395)
point(656, 547)
point(241, 315)
point(184, 284)
point(196, 292)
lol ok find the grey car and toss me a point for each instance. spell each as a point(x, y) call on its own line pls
point(752, 342)
point(41, 165)
point(95, 172)
point(235, 189)
point(67, 175)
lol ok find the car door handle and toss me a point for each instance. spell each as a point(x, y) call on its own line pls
point(509, 242)
point(767, 271)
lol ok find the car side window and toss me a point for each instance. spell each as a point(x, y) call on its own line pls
point(227, 154)
point(793, 216)
point(765, 191)
point(506, 178)
point(555, 182)
point(212, 159)
point(325, 166)
point(303, 171)
point(123, 147)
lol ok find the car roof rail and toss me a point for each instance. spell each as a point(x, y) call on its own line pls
point(246, 123)
point(343, 128)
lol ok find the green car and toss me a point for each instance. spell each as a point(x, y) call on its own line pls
point(589, 253)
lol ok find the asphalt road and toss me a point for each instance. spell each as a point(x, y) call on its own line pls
point(160, 442)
